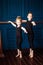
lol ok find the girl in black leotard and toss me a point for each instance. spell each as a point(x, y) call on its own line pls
point(19, 29)
point(29, 25)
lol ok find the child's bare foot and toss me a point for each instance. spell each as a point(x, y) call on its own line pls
point(17, 55)
point(31, 56)
point(31, 53)
point(20, 54)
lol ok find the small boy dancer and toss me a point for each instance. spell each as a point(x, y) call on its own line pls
point(19, 29)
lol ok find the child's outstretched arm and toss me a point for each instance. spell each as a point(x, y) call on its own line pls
point(24, 21)
point(24, 29)
point(12, 23)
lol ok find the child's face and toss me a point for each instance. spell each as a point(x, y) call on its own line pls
point(18, 21)
point(29, 16)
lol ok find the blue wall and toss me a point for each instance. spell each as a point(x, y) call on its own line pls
point(9, 9)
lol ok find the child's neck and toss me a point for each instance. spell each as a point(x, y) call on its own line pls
point(29, 20)
point(18, 25)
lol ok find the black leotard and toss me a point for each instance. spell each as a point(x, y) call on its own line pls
point(29, 28)
point(18, 36)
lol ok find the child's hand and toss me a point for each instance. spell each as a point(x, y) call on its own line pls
point(26, 32)
point(34, 24)
point(9, 21)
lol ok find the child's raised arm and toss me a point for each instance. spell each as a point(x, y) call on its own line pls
point(12, 23)
point(24, 29)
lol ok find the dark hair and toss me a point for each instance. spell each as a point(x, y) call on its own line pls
point(29, 12)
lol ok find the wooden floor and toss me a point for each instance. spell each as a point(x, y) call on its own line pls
point(10, 58)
